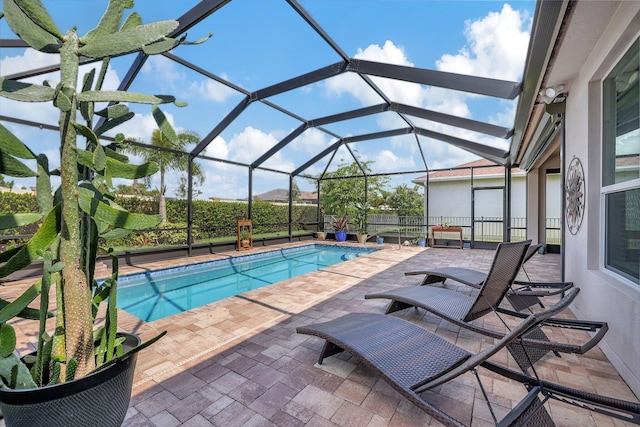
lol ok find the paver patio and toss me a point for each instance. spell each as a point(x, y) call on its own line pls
point(239, 362)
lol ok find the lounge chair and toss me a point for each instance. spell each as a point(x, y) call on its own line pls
point(523, 294)
point(412, 360)
point(461, 309)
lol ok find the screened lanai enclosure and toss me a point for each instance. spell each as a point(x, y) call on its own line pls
point(289, 96)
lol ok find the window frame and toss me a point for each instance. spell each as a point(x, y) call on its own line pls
point(619, 187)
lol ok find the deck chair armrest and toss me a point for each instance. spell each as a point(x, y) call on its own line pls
point(524, 409)
point(481, 357)
point(600, 329)
point(595, 339)
point(610, 406)
point(416, 273)
point(540, 289)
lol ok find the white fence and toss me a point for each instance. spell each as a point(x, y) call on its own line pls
point(487, 229)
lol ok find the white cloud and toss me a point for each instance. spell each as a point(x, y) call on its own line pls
point(400, 91)
point(217, 148)
point(441, 155)
point(407, 143)
point(389, 53)
point(32, 59)
point(212, 90)
point(312, 141)
point(39, 112)
point(29, 60)
point(224, 186)
point(170, 77)
point(507, 115)
point(140, 127)
point(351, 83)
point(387, 160)
point(246, 146)
point(497, 47)
point(163, 72)
point(498, 38)
point(251, 143)
point(43, 112)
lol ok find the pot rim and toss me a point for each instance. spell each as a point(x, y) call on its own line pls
point(56, 391)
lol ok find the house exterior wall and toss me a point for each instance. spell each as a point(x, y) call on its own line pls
point(604, 295)
point(488, 203)
point(544, 203)
point(553, 199)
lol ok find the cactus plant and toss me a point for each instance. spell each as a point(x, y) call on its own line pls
point(83, 208)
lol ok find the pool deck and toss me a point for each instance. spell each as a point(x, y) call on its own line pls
point(239, 361)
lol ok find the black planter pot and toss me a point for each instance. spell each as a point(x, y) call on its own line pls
point(99, 399)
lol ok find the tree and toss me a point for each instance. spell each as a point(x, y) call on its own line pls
point(182, 190)
point(168, 160)
point(137, 189)
point(6, 184)
point(406, 201)
point(295, 191)
point(337, 195)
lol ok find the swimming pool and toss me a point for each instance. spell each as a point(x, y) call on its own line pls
point(157, 294)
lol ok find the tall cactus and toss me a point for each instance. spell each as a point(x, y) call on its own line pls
point(83, 209)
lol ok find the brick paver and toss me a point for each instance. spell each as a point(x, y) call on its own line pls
point(239, 361)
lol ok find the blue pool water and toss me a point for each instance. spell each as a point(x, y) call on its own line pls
point(156, 294)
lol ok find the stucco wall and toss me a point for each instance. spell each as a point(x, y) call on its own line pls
point(604, 296)
point(488, 202)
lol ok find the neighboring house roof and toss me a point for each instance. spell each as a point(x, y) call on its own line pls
point(277, 195)
point(282, 195)
point(483, 168)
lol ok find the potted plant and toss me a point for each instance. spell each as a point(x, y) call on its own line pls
point(245, 238)
point(81, 363)
point(339, 225)
point(321, 233)
point(361, 219)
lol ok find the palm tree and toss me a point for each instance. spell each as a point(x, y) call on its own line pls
point(168, 160)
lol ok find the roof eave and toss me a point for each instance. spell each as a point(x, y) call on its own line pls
point(547, 23)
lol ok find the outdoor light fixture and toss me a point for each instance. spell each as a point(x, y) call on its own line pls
point(553, 94)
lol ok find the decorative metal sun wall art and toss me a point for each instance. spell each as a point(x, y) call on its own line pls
point(575, 188)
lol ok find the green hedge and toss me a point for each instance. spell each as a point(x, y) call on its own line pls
point(18, 203)
point(166, 234)
point(211, 219)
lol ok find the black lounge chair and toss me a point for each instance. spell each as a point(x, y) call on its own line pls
point(523, 294)
point(461, 309)
point(412, 360)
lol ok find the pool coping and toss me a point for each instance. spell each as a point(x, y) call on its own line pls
point(143, 279)
point(244, 256)
point(243, 316)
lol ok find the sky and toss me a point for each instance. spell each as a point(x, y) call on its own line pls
point(257, 43)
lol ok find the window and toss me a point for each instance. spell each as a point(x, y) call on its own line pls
point(621, 166)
